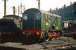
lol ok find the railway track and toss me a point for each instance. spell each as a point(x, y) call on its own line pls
point(49, 45)
point(70, 34)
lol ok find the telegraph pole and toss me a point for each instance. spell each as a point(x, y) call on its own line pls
point(21, 9)
point(39, 4)
point(4, 7)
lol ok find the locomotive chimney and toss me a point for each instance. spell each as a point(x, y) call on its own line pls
point(13, 10)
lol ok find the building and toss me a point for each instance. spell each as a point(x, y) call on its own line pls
point(68, 14)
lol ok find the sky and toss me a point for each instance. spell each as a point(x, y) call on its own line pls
point(45, 4)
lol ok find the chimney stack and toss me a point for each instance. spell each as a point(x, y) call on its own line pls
point(14, 10)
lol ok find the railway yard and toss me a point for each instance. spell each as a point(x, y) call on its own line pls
point(44, 30)
point(36, 29)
